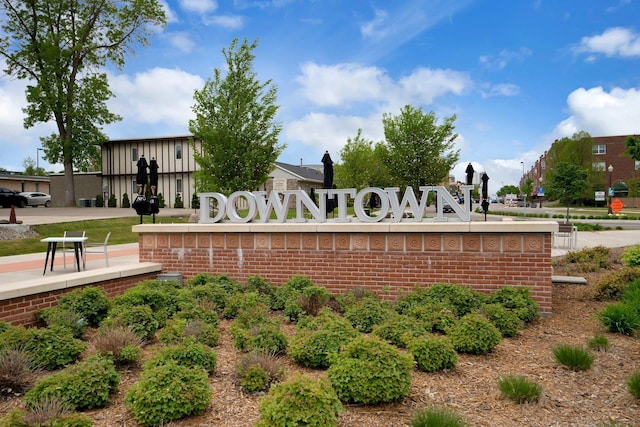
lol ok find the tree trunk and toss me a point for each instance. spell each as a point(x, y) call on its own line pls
point(69, 187)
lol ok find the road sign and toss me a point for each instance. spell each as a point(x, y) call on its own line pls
point(599, 196)
point(611, 193)
point(616, 205)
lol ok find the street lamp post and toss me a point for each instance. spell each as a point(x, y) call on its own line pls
point(524, 203)
point(610, 191)
point(38, 159)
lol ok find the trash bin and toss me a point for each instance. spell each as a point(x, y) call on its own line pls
point(84, 203)
point(93, 202)
point(170, 277)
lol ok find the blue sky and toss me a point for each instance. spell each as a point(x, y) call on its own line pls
point(516, 73)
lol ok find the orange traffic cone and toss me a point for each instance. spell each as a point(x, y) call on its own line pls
point(12, 215)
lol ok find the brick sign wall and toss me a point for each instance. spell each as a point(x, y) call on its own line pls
point(388, 259)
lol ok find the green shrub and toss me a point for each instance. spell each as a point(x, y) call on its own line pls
point(352, 296)
point(633, 384)
point(14, 337)
point(168, 392)
point(631, 294)
point(463, 300)
point(474, 334)
point(620, 317)
point(84, 385)
point(433, 353)
point(189, 354)
point(91, 303)
point(435, 316)
point(300, 401)
point(62, 318)
point(15, 368)
point(437, 417)
point(519, 389)
point(259, 334)
point(320, 337)
point(254, 379)
point(631, 256)
point(261, 286)
point(313, 298)
point(289, 291)
point(517, 300)
point(612, 286)
point(120, 343)
point(599, 342)
point(507, 321)
point(417, 297)
point(367, 313)
point(51, 413)
point(178, 330)
point(244, 301)
point(369, 370)
point(160, 296)
point(53, 348)
point(575, 358)
point(590, 259)
point(140, 318)
point(252, 368)
point(398, 329)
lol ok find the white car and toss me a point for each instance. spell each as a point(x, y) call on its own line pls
point(36, 199)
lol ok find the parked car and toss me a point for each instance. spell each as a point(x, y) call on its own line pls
point(10, 198)
point(35, 198)
point(447, 208)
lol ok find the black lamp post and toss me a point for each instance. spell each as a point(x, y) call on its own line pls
point(610, 191)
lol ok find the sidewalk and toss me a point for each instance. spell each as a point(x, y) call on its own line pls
point(29, 267)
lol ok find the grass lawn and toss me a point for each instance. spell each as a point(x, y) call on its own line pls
point(96, 230)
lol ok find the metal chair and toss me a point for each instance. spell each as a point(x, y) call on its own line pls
point(98, 248)
point(68, 247)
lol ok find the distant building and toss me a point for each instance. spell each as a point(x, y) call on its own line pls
point(607, 151)
point(175, 157)
point(18, 182)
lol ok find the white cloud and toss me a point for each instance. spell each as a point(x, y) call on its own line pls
point(330, 132)
point(331, 85)
point(171, 15)
point(181, 41)
point(157, 96)
point(601, 113)
point(424, 85)
point(615, 41)
point(501, 89)
point(503, 58)
point(232, 22)
point(199, 6)
point(375, 29)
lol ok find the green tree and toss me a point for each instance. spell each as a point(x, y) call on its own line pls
point(507, 189)
point(566, 183)
point(632, 147)
point(418, 148)
point(30, 168)
point(578, 150)
point(527, 187)
point(235, 120)
point(62, 47)
point(360, 165)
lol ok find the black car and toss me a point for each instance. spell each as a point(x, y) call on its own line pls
point(447, 209)
point(10, 198)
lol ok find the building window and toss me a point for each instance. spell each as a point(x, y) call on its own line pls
point(134, 154)
point(598, 166)
point(178, 185)
point(637, 165)
point(178, 151)
point(543, 164)
point(599, 149)
point(134, 187)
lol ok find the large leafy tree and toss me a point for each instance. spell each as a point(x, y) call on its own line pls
point(61, 48)
point(360, 165)
point(418, 149)
point(565, 183)
point(577, 150)
point(235, 121)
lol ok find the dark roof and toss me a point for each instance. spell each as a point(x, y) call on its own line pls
point(304, 172)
